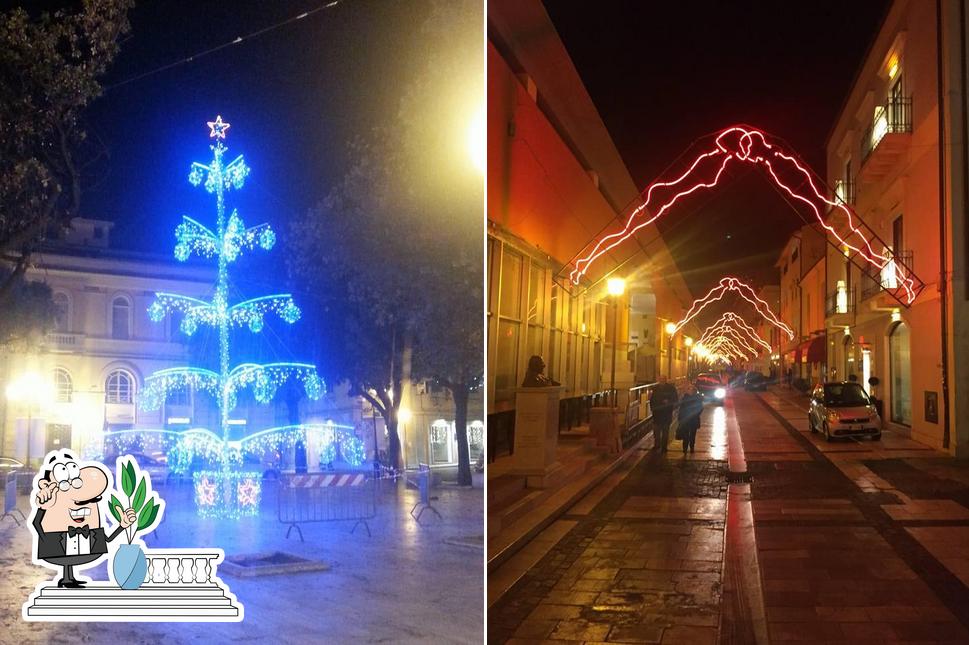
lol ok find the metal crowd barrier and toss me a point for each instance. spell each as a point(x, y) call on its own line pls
point(327, 497)
point(10, 499)
point(422, 482)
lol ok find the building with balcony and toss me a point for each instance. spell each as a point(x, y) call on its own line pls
point(802, 304)
point(103, 345)
point(555, 181)
point(899, 143)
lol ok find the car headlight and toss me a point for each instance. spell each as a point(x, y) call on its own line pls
point(833, 417)
point(719, 393)
point(873, 411)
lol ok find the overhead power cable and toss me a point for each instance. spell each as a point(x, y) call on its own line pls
point(236, 41)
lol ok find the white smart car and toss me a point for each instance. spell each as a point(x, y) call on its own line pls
point(843, 409)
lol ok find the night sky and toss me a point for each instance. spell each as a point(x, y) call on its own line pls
point(664, 74)
point(295, 97)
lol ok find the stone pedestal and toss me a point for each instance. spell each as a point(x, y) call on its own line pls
point(605, 424)
point(536, 433)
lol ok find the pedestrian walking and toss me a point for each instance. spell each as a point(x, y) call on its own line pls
point(688, 419)
point(662, 402)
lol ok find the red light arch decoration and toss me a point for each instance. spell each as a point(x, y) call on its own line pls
point(730, 284)
point(745, 144)
point(732, 325)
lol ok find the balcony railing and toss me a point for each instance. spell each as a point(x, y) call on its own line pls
point(877, 280)
point(895, 116)
point(841, 301)
point(844, 190)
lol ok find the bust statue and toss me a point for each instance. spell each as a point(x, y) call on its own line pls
point(534, 376)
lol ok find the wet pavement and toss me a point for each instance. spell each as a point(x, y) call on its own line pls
point(407, 583)
point(850, 541)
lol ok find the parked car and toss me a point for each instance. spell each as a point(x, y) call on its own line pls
point(710, 387)
point(755, 381)
point(843, 409)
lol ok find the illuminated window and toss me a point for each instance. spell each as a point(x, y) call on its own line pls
point(63, 385)
point(119, 387)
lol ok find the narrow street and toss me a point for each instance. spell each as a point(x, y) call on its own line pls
point(850, 541)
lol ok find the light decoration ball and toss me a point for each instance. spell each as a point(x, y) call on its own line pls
point(745, 145)
point(226, 492)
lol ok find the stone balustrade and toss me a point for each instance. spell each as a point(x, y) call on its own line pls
point(181, 567)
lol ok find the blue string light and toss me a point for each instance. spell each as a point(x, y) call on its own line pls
point(227, 493)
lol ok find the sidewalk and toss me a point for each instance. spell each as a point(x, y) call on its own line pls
point(860, 539)
point(638, 559)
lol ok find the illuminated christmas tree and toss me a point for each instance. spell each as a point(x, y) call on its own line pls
point(227, 492)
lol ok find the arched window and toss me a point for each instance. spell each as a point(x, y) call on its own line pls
point(119, 388)
point(899, 364)
point(63, 385)
point(62, 312)
point(121, 318)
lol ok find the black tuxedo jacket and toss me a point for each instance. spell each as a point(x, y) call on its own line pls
point(54, 544)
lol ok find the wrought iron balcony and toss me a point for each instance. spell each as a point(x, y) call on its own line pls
point(894, 117)
point(876, 281)
point(839, 302)
point(844, 190)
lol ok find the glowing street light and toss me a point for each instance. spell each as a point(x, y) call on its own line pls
point(404, 415)
point(30, 389)
point(615, 287)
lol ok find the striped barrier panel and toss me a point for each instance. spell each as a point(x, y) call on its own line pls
point(329, 497)
point(321, 480)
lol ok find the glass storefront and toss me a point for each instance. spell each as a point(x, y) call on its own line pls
point(899, 345)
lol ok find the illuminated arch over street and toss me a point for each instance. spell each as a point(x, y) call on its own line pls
point(732, 325)
point(745, 144)
point(731, 284)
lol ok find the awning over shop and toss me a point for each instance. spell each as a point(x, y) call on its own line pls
point(814, 350)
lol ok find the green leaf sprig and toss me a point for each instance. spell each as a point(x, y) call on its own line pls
point(147, 510)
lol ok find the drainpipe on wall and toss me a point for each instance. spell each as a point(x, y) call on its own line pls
point(943, 256)
point(965, 137)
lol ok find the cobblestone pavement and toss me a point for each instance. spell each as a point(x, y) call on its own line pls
point(856, 541)
point(406, 584)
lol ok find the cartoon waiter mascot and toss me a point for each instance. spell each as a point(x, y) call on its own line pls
point(67, 522)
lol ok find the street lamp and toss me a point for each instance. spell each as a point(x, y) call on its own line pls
point(616, 287)
point(30, 389)
point(670, 330)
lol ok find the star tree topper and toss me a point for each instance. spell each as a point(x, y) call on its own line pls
point(217, 128)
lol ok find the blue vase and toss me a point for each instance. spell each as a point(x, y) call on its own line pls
point(129, 566)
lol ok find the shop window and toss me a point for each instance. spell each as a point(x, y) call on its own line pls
point(900, 367)
point(440, 437)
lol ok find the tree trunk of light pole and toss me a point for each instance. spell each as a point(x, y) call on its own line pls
point(615, 330)
point(460, 395)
